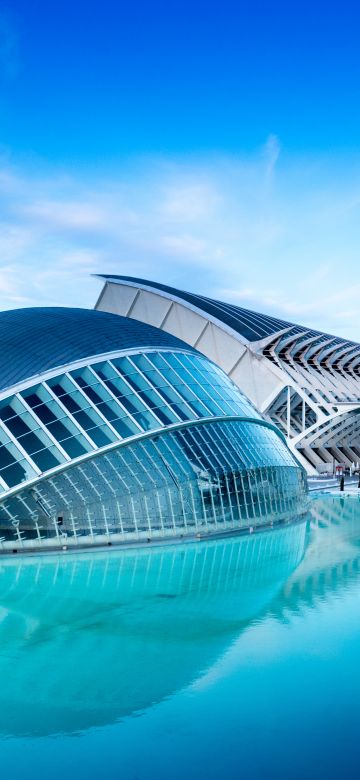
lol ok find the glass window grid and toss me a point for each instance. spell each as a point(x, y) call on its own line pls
point(207, 452)
point(142, 396)
point(62, 415)
point(47, 458)
point(166, 410)
point(214, 402)
point(130, 366)
point(232, 500)
point(80, 438)
point(57, 421)
point(13, 461)
point(217, 388)
point(110, 405)
point(79, 406)
point(11, 408)
point(181, 410)
point(192, 371)
point(34, 439)
point(17, 472)
point(9, 454)
point(148, 390)
point(31, 428)
point(188, 394)
point(121, 430)
point(194, 379)
point(44, 407)
point(119, 387)
point(169, 392)
point(215, 376)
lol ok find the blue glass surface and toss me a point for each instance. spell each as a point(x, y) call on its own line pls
point(234, 658)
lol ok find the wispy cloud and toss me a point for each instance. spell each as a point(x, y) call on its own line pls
point(266, 231)
point(271, 152)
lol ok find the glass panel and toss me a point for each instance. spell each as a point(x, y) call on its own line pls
point(125, 427)
point(141, 362)
point(17, 426)
point(6, 411)
point(47, 458)
point(164, 389)
point(10, 460)
point(113, 380)
point(125, 366)
point(141, 400)
point(101, 435)
point(6, 457)
point(166, 415)
point(84, 377)
point(110, 408)
point(14, 475)
point(83, 413)
point(75, 447)
point(31, 437)
point(146, 420)
point(31, 442)
point(56, 421)
point(131, 403)
point(105, 370)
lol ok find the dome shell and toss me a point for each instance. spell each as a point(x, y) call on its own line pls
point(36, 340)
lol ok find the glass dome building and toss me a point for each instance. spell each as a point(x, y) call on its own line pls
point(113, 431)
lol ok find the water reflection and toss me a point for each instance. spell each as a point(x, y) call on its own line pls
point(86, 640)
point(332, 561)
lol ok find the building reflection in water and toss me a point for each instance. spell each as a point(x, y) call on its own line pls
point(88, 639)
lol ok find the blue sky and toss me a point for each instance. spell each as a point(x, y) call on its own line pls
point(214, 146)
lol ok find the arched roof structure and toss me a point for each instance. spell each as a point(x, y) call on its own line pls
point(38, 339)
point(249, 324)
point(303, 380)
point(111, 428)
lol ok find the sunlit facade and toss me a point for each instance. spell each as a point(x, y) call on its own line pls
point(113, 431)
point(303, 381)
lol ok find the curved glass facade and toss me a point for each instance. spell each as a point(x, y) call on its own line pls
point(208, 477)
point(147, 443)
point(74, 413)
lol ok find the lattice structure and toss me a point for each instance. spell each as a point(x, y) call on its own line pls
point(146, 441)
point(304, 381)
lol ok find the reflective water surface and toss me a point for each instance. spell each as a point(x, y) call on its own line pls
point(232, 658)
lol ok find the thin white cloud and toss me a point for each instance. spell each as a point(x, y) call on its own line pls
point(71, 215)
point(184, 245)
point(282, 238)
point(189, 202)
point(271, 153)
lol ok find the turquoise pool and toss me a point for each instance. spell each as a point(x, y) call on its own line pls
point(235, 658)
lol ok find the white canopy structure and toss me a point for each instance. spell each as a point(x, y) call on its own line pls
point(304, 381)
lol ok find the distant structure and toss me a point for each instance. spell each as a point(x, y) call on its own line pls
point(304, 381)
point(113, 431)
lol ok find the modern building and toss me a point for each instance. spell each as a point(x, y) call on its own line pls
point(112, 430)
point(305, 382)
